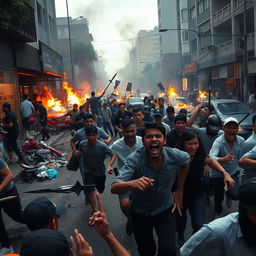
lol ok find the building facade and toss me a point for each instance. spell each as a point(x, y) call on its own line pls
point(170, 42)
point(29, 59)
point(79, 34)
point(216, 40)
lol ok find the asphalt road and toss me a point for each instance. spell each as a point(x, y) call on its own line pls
point(78, 213)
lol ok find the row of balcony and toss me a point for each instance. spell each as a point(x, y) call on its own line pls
point(225, 49)
point(226, 12)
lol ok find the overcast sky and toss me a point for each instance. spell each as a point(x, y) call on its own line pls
point(111, 22)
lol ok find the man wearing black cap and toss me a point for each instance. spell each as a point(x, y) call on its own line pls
point(233, 235)
point(45, 242)
point(12, 127)
point(158, 118)
point(42, 213)
point(173, 137)
point(169, 118)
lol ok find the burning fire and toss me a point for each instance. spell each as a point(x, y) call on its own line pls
point(202, 95)
point(172, 92)
point(72, 97)
point(50, 102)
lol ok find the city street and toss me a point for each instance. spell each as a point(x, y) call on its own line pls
point(77, 212)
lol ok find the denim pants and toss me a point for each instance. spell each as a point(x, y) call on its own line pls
point(13, 209)
point(218, 191)
point(196, 210)
point(164, 225)
point(107, 126)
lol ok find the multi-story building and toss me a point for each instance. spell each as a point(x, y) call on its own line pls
point(79, 33)
point(143, 56)
point(217, 45)
point(29, 59)
point(170, 41)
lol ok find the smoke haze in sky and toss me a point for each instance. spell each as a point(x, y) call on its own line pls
point(111, 22)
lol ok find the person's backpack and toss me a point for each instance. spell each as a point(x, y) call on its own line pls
point(73, 163)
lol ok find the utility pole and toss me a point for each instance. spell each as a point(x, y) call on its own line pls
point(245, 58)
point(70, 48)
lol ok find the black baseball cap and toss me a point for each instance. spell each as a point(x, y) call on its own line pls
point(39, 213)
point(247, 195)
point(158, 112)
point(45, 242)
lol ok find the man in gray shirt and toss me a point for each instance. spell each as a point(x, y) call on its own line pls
point(80, 135)
point(93, 153)
point(149, 174)
point(227, 150)
point(122, 148)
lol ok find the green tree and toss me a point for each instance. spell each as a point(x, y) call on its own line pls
point(13, 12)
point(83, 53)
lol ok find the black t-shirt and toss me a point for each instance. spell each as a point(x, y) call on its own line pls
point(119, 118)
point(172, 138)
point(10, 117)
point(193, 186)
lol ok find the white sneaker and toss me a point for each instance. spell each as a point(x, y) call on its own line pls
point(6, 250)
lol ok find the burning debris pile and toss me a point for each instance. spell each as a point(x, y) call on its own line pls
point(55, 105)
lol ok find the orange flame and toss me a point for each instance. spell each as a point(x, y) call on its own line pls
point(172, 92)
point(50, 102)
point(202, 95)
point(72, 97)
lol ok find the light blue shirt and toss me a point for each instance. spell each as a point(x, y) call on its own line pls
point(221, 148)
point(26, 108)
point(122, 150)
point(221, 237)
point(249, 172)
point(249, 144)
point(158, 197)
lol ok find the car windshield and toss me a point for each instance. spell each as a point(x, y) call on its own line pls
point(179, 101)
point(134, 99)
point(230, 108)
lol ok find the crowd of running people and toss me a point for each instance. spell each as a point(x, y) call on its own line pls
point(168, 165)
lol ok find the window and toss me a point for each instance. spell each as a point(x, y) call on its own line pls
point(51, 24)
point(200, 7)
point(184, 14)
point(194, 47)
point(192, 13)
point(39, 13)
point(185, 35)
point(206, 4)
point(45, 18)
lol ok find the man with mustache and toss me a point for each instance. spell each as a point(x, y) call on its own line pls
point(227, 150)
point(149, 175)
point(233, 235)
point(122, 148)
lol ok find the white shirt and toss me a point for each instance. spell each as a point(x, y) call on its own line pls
point(122, 150)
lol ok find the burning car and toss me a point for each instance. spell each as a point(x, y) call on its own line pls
point(181, 102)
point(56, 123)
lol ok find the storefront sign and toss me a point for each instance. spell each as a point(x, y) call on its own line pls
point(191, 67)
point(184, 84)
point(51, 60)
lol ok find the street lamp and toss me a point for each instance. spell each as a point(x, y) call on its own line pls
point(245, 57)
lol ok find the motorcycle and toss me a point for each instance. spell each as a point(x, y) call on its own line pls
point(34, 152)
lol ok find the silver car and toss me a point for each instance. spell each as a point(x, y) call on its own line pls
point(225, 108)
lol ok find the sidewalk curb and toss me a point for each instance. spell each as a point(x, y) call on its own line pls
point(17, 176)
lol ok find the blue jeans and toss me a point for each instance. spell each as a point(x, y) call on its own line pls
point(196, 209)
